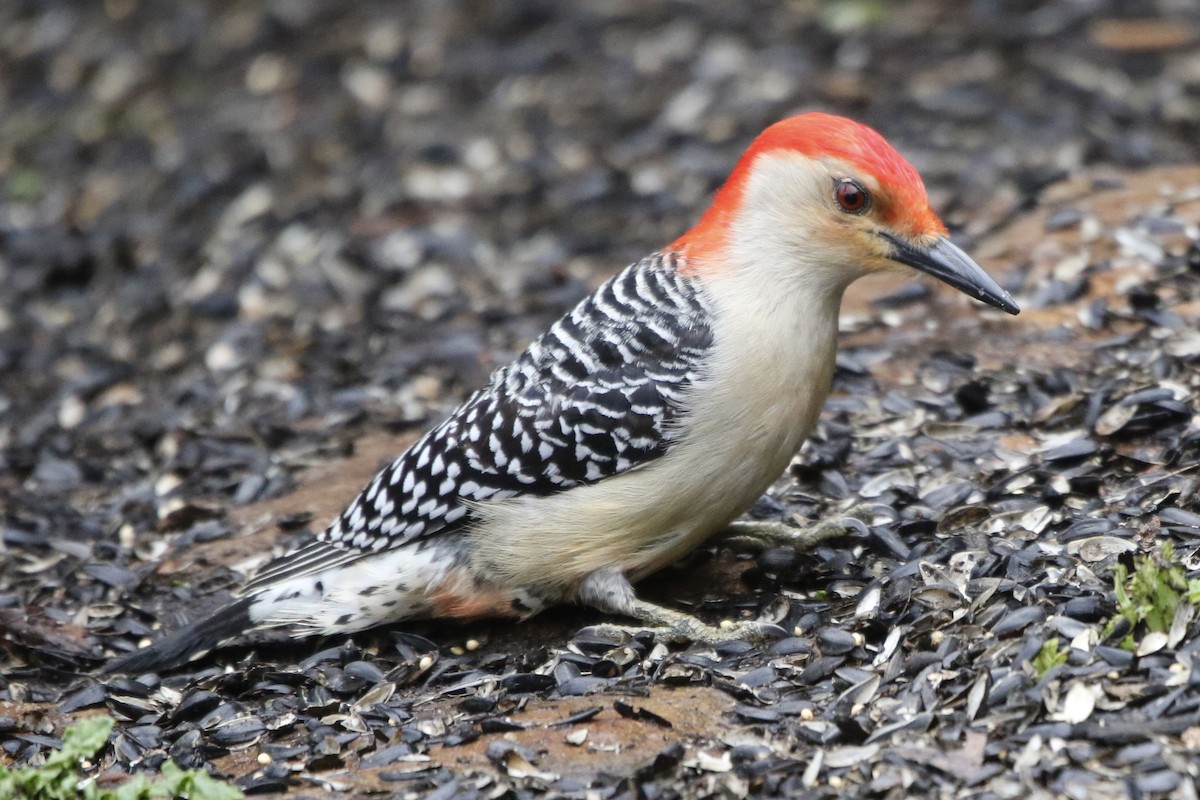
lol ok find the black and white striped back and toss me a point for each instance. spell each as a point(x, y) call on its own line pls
point(592, 397)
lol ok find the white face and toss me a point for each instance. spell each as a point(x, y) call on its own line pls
point(790, 228)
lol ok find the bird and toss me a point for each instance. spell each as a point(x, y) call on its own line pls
point(638, 426)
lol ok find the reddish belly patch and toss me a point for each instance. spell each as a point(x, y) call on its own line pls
point(454, 600)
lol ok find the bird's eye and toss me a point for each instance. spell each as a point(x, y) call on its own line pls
point(852, 196)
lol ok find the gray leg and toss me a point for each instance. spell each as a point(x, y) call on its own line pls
point(762, 534)
point(609, 591)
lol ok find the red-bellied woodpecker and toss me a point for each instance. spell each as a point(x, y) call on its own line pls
point(640, 424)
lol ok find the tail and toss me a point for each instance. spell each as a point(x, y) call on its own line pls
point(187, 642)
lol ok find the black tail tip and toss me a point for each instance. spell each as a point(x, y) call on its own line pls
point(186, 643)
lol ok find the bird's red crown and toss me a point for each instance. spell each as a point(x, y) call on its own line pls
point(901, 201)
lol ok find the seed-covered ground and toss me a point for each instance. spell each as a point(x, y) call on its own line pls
point(248, 251)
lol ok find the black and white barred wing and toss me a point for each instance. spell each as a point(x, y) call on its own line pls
point(592, 397)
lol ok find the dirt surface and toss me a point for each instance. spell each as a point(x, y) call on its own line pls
point(249, 250)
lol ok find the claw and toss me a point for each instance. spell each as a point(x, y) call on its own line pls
point(762, 534)
point(694, 631)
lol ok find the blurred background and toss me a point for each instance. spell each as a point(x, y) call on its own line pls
point(228, 217)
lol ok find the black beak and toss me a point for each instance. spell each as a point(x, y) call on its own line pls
point(949, 264)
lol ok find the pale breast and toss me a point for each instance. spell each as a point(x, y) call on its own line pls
point(746, 420)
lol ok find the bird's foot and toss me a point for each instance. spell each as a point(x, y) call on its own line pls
point(764, 534)
point(676, 627)
point(609, 590)
point(690, 630)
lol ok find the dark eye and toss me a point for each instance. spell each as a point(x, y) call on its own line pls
point(852, 196)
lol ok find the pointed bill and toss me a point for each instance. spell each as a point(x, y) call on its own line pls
point(949, 264)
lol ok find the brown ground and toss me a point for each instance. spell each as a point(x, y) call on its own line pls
point(616, 744)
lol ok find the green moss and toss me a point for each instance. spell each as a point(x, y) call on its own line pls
point(1049, 657)
point(59, 778)
point(1150, 595)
